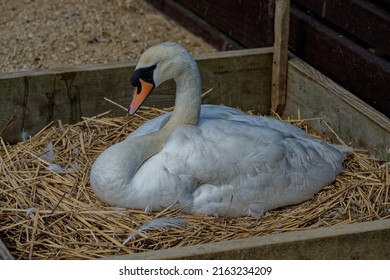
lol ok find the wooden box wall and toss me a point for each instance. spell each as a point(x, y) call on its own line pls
point(245, 69)
point(349, 40)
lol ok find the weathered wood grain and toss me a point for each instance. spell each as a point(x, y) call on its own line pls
point(251, 22)
point(280, 58)
point(365, 20)
point(319, 42)
point(195, 24)
point(239, 78)
point(34, 99)
point(40, 97)
point(341, 59)
point(311, 94)
point(368, 240)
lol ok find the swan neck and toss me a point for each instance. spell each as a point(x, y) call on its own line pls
point(188, 98)
point(186, 112)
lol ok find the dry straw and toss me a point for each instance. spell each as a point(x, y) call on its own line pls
point(48, 211)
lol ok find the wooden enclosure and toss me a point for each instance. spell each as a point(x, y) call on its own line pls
point(240, 78)
point(367, 240)
point(31, 100)
point(349, 41)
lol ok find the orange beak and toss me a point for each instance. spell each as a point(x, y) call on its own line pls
point(140, 96)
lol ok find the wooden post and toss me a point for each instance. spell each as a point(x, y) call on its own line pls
point(280, 58)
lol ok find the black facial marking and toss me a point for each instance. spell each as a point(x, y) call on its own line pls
point(145, 74)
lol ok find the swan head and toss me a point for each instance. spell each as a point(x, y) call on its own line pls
point(156, 65)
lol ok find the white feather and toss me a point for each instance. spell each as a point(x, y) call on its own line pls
point(30, 210)
point(59, 169)
point(25, 136)
point(48, 153)
point(157, 224)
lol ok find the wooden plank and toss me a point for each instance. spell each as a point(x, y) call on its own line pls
point(368, 240)
point(345, 61)
point(248, 22)
point(240, 78)
point(39, 97)
point(352, 66)
point(196, 25)
point(365, 20)
point(318, 96)
point(315, 95)
point(36, 98)
point(280, 57)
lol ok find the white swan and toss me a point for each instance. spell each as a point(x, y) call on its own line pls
point(212, 159)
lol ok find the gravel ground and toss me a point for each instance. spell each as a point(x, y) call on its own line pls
point(42, 34)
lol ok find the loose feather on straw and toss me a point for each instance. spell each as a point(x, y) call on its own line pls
point(156, 224)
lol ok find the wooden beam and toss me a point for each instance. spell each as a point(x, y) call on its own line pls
point(341, 59)
point(249, 23)
point(31, 100)
point(200, 26)
point(367, 240)
point(310, 94)
point(315, 36)
point(365, 20)
point(280, 57)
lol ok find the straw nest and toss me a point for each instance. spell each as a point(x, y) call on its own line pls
point(48, 210)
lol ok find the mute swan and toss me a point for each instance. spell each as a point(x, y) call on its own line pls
point(212, 159)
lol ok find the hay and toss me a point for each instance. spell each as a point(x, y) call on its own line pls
point(51, 213)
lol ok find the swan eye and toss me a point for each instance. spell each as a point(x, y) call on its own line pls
point(144, 74)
